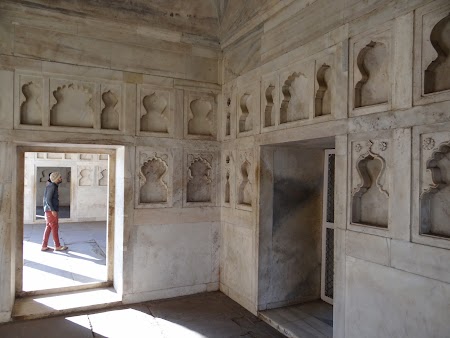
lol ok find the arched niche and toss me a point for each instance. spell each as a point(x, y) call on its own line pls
point(372, 63)
point(370, 200)
point(435, 200)
point(437, 77)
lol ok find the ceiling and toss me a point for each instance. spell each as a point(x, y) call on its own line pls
point(213, 19)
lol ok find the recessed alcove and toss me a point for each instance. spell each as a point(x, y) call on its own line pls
point(434, 201)
point(370, 202)
point(269, 116)
point(291, 229)
point(245, 120)
point(437, 77)
point(372, 64)
point(30, 109)
point(322, 103)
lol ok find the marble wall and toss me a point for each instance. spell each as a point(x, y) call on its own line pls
point(153, 111)
point(360, 74)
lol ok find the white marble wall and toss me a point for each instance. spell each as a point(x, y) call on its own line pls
point(389, 279)
point(62, 102)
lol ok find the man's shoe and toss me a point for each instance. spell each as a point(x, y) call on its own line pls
point(61, 248)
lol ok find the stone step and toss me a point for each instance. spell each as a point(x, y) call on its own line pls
point(43, 306)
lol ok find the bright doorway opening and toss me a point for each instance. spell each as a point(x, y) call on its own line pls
point(83, 224)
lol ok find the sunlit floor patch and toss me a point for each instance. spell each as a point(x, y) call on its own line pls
point(83, 263)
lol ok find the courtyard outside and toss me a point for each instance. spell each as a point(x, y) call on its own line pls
point(83, 263)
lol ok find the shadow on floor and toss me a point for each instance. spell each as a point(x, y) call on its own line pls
point(203, 315)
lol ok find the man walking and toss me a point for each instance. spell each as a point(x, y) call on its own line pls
point(51, 208)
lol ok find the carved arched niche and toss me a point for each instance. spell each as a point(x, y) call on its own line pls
point(199, 180)
point(269, 116)
point(155, 119)
point(73, 107)
point(228, 118)
point(200, 122)
point(370, 200)
point(85, 178)
point(227, 187)
point(294, 103)
point(437, 76)
point(30, 109)
point(435, 200)
point(103, 181)
point(245, 187)
point(322, 103)
point(109, 117)
point(153, 188)
point(372, 63)
point(245, 120)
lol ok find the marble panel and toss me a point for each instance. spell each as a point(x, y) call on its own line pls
point(421, 260)
point(367, 247)
point(237, 261)
point(159, 265)
point(6, 99)
point(61, 47)
point(393, 303)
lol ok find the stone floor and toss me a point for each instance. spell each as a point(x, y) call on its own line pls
point(308, 320)
point(84, 262)
point(203, 315)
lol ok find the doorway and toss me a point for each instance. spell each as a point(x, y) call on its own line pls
point(88, 231)
point(295, 270)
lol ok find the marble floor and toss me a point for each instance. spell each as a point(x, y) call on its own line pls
point(203, 315)
point(307, 320)
point(83, 263)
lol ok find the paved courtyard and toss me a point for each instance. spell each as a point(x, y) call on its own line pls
point(84, 262)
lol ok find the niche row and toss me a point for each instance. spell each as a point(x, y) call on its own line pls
point(308, 89)
point(372, 178)
point(56, 102)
